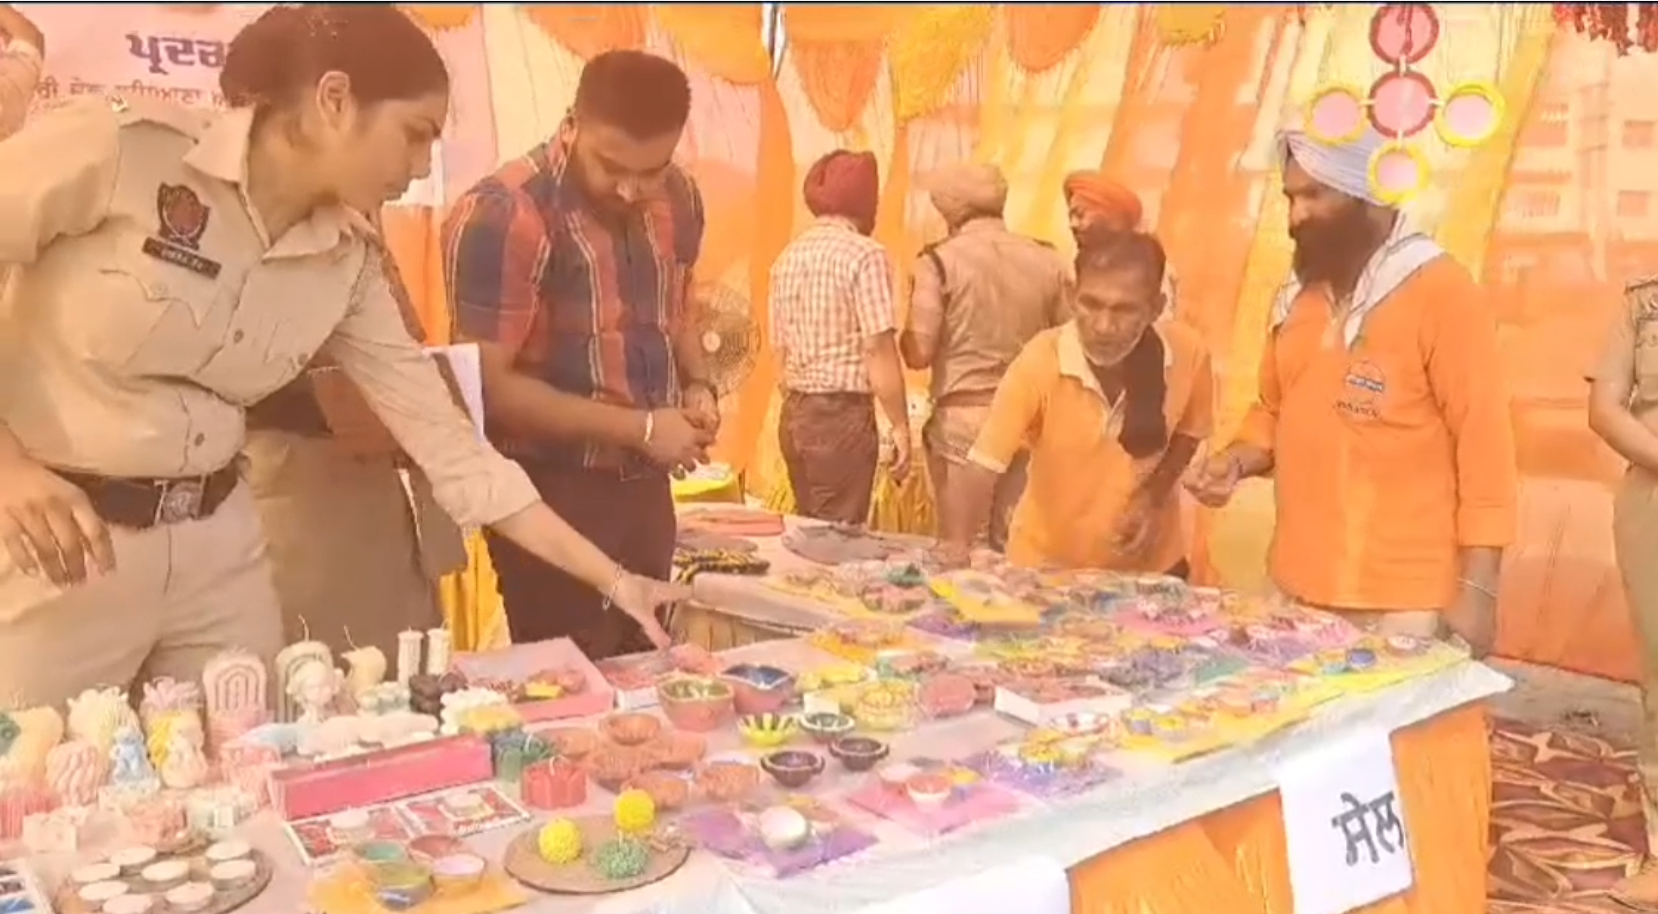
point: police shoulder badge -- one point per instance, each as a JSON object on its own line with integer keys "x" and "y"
{"x": 183, "y": 221}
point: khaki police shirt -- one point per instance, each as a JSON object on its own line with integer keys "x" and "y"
{"x": 145, "y": 309}
{"x": 1630, "y": 354}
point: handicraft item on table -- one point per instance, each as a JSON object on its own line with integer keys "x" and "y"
{"x": 18, "y": 801}
{"x": 324, "y": 838}
{"x": 593, "y": 855}
{"x": 983, "y": 600}
{"x": 779, "y": 839}
{"x": 305, "y": 789}
{"x": 545, "y": 680}
{"x": 74, "y": 772}
{"x": 98, "y": 715}
{"x": 1048, "y": 769}
{"x": 431, "y": 873}
{"x": 26, "y": 737}
{"x": 233, "y": 686}
{"x": 463, "y": 811}
{"x": 937, "y": 799}
{"x": 860, "y": 640}
{"x": 836, "y": 544}
{"x": 739, "y": 522}
{"x": 635, "y": 678}
{"x": 217, "y": 880}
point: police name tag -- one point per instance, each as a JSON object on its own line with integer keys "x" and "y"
{"x": 1344, "y": 825}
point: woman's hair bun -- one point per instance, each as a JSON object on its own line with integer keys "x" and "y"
{"x": 290, "y": 46}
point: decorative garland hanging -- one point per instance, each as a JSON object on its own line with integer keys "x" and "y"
{"x": 1611, "y": 22}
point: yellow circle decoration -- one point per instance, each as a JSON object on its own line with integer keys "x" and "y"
{"x": 1324, "y": 122}
{"x": 1387, "y": 188}
{"x": 1468, "y": 93}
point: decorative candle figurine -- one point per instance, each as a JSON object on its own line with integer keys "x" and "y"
{"x": 98, "y": 714}
{"x": 28, "y": 736}
{"x": 310, "y": 687}
{"x": 234, "y": 685}
{"x": 164, "y": 726}
{"x": 289, "y": 662}
{"x": 367, "y": 669}
{"x": 74, "y": 772}
{"x": 437, "y": 651}
{"x": 558, "y": 784}
{"x": 129, "y": 763}
{"x": 157, "y": 821}
{"x": 183, "y": 766}
{"x": 408, "y": 655}
{"x": 19, "y": 800}
{"x": 167, "y": 695}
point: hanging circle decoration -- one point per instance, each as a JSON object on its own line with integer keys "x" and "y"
{"x": 1403, "y": 102}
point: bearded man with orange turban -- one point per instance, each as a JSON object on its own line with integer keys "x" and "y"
{"x": 1098, "y": 203}
{"x": 834, "y": 329}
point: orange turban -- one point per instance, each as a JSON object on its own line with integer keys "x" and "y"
{"x": 845, "y": 184}
{"x": 1102, "y": 196}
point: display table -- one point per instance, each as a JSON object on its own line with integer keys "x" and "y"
{"x": 1208, "y": 838}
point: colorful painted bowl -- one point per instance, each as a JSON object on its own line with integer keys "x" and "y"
{"x": 929, "y": 790}
{"x": 896, "y": 776}
{"x": 631, "y": 728}
{"x": 695, "y": 703}
{"x": 378, "y": 855}
{"x": 401, "y": 888}
{"x": 767, "y": 731}
{"x": 792, "y": 768}
{"x": 612, "y": 766}
{"x": 758, "y": 688}
{"x": 858, "y": 753}
{"x": 728, "y": 781}
{"x": 673, "y": 751}
{"x": 570, "y": 742}
{"x": 459, "y": 872}
{"x": 827, "y": 726}
{"x": 428, "y": 848}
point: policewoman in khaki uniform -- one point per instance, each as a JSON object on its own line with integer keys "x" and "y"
{"x": 356, "y": 554}
{"x": 168, "y": 269}
{"x": 1623, "y": 410}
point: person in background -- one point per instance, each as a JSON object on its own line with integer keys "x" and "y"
{"x": 356, "y": 555}
{"x": 978, "y": 297}
{"x": 1382, "y": 415}
{"x": 572, "y": 268}
{"x": 22, "y": 57}
{"x": 1095, "y": 201}
{"x": 1623, "y": 411}
{"x": 1112, "y": 406}
{"x": 172, "y": 266}
{"x": 833, "y": 326}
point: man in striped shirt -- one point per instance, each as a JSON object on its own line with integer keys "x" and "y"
{"x": 21, "y": 59}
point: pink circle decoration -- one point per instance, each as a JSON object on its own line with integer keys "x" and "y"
{"x": 1402, "y": 104}
{"x": 1335, "y": 116}
{"x": 1403, "y": 33}
{"x": 1470, "y": 114}
{"x": 1397, "y": 172}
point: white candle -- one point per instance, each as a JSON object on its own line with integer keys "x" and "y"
{"x": 408, "y": 655}
{"x": 368, "y": 669}
{"x": 437, "y": 652}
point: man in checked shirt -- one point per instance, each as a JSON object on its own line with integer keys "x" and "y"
{"x": 21, "y": 60}
{"x": 834, "y": 328}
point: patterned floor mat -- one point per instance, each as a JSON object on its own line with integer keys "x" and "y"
{"x": 1565, "y": 821}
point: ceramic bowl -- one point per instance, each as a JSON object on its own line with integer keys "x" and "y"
{"x": 827, "y": 726}
{"x": 695, "y": 703}
{"x": 668, "y": 791}
{"x": 376, "y": 855}
{"x": 570, "y": 742}
{"x": 928, "y": 791}
{"x": 896, "y": 776}
{"x": 767, "y": 731}
{"x": 631, "y": 728}
{"x": 858, "y": 753}
{"x": 427, "y": 848}
{"x": 792, "y": 768}
{"x": 458, "y": 872}
{"x": 611, "y": 767}
{"x": 404, "y": 887}
{"x": 758, "y": 688}
{"x": 674, "y": 751}
{"x": 727, "y": 782}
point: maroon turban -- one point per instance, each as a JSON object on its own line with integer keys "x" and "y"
{"x": 845, "y": 184}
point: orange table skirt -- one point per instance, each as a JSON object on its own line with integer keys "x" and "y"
{"x": 1234, "y": 860}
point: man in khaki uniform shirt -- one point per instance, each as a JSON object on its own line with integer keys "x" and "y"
{"x": 151, "y": 307}
{"x": 21, "y": 60}
{"x": 1623, "y": 410}
{"x": 357, "y": 555}
{"x": 979, "y": 296}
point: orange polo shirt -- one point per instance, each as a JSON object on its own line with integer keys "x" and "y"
{"x": 1050, "y": 403}
{"x": 1390, "y": 454}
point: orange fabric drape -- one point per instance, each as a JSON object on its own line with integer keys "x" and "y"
{"x": 1040, "y": 35}
{"x": 1235, "y": 861}
{"x": 589, "y": 29}
{"x": 838, "y": 56}
{"x": 438, "y": 16}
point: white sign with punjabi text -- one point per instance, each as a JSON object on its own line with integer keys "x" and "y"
{"x": 1344, "y": 824}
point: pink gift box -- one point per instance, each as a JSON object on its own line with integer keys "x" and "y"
{"x": 521, "y": 661}
{"x": 302, "y": 790}
{"x": 157, "y": 822}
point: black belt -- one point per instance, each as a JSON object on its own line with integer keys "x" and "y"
{"x": 140, "y": 504}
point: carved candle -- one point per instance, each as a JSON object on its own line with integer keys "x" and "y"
{"x": 157, "y": 821}
{"x": 33, "y": 735}
{"x": 74, "y": 772}
{"x": 97, "y": 714}
{"x": 18, "y": 801}
{"x": 368, "y": 669}
{"x": 557, "y": 784}
{"x": 216, "y": 813}
{"x": 290, "y": 662}
{"x": 234, "y": 684}
{"x": 437, "y": 651}
{"x": 408, "y": 655}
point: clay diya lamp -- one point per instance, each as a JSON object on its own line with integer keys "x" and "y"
{"x": 570, "y": 742}
{"x": 558, "y": 784}
{"x": 896, "y": 776}
{"x": 188, "y": 897}
{"x": 727, "y": 782}
{"x": 631, "y": 728}
{"x": 458, "y": 872}
{"x": 792, "y": 768}
{"x": 758, "y": 688}
{"x": 674, "y": 751}
{"x": 827, "y": 726}
{"x": 426, "y": 848}
{"x": 165, "y": 874}
{"x": 946, "y": 695}
{"x": 1361, "y": 659}
{"x": 1080, "y": 723}
{"x": 858, "y": 753}
{"x": 696, "y": 703}
{"x": 767, "y": 731}
{"x": 668, "y": 791}
{"x": 929, "y": 790}
{"x": 611, "y": 767}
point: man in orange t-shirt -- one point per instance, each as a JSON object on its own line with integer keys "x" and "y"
{"x": 1111, "y": 406}
{"x": 1382, "y": 413}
